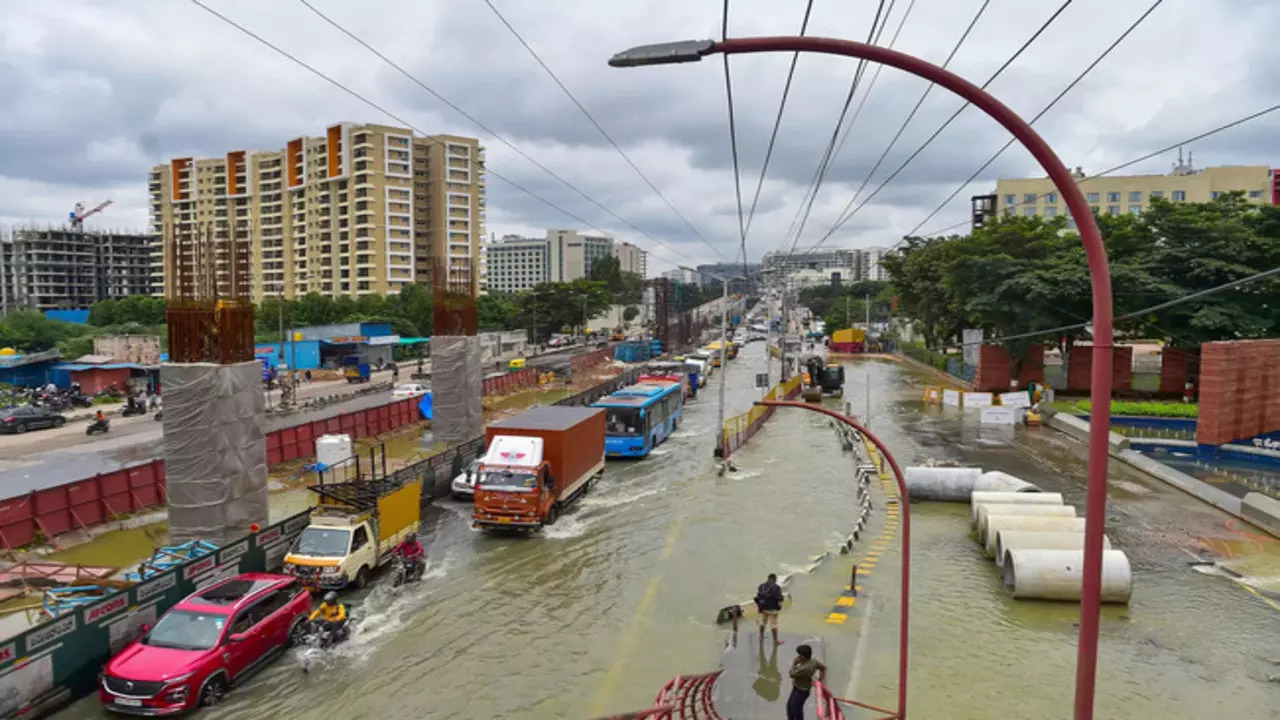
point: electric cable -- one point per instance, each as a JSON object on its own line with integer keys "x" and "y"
{"x": 1070, "y": 86}
{"x": 380, "y": 108}
{"x": 884, "y": 183}
{"x": 591, "y": 118}
{"x": 916, "y": 108}
{"x": 733, "y": 140}
{"x": 825, "y": 163}
{"x": 1155, "y": 153}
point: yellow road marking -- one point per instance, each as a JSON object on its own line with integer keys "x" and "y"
{"x": 846, "y": 601}
{"x": 837, "y": 618}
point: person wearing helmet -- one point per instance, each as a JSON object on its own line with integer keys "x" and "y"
{"x": 410, "y": 550}
{"x": 332, "y": 614}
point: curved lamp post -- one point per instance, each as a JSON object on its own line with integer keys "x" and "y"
{"x": 1099, "y": 275}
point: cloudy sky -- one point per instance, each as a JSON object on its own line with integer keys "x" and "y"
{"x": 97, "y": 92}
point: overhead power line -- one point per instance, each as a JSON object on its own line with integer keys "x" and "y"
{"x": 355, "y": 94}
{"x": 777, "y": 122}
{"x": 884, "y": 183}
{"x": 591, "y": 118}
{"x": 1131, "y": 163}
{"x": 1070, "y": 86}
{"x": 1137, "y": 313}
{"x": 453, "y": 106}
{"x": 873, "y": 35}
{"x": 911, "y": 115}
{"x": 733, "y": 139}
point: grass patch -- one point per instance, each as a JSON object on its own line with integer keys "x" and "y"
{"x": 1150, "y": 408}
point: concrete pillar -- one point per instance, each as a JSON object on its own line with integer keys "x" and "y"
{"x": 456, "y": 388}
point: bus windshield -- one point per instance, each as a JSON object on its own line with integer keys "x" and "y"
{"x": 622, "y": 422}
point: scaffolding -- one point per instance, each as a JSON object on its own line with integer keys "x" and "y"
{"x": 57, "y": 267}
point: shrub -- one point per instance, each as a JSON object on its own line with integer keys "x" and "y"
{"x": 1170, "y": 409}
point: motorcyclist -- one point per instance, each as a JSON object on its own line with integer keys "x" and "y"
{"x": 99, "y": 417}
{"x": 331, "y": 613}
{"x": 410, "y": 550}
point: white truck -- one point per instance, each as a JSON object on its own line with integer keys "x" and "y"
{"x": 354, "y": 529}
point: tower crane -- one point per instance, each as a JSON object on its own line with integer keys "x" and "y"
{"x": 78, "y": 215}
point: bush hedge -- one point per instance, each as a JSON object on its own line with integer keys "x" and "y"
{"x": 1170, "y": 409}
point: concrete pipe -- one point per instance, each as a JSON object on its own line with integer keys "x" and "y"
{"x": 1057, "y": 575}
{"x": 942, "y": 483}
{"x": 1007, "y": 540}
{"x": 996, "y": 481}
{"x": 980, "y": 498}
{"x": 1034, "y": 523}
{"x": 986, "y": 512}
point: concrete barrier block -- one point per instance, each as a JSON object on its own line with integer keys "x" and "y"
{"x": 1079, "y": 429}
{"x": 1261, "y": 510}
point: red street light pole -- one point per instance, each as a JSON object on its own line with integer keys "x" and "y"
{"x": 1095, "y": 252}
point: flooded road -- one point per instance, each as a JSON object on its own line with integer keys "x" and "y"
{"x": 594, "y": 615}
{"x": 1189, "y": 645}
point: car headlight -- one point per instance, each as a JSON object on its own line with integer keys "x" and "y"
{"x": 331, "y": 570}
{"x": 179, "y": 679}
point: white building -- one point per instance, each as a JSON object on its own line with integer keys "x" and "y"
{"x": 871, "y": 267}
{"x": 632, "y": 259}
{"x": 515, "y": 264}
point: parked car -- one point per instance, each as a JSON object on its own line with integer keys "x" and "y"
{"x": 28, "y": 417}
{"x": 463, "y": 486}
{"x": 207, "y": 643}
{"x": 408, "y": 390}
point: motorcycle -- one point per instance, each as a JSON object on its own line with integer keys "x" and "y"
{"x": 134, "y": 408}
{"x": 408, "y": 570}
{"x": 98, "y": 426}
{"x": 318, "y": 637}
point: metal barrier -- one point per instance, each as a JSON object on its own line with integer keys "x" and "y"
{"x": 510, "y": 382}
{"x": 81, "y": 504}
{"x": 740, "y": 428}
{"x": 58, "y": 661}
{"x": 591, "y": 359}
{"x": 590, "y": 395}
{"x": 299, "y": 441}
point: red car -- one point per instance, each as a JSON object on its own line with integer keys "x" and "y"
{"x": 206, "y": 643}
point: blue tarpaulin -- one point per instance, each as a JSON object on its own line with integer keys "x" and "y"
{"x": 424, "y": 406}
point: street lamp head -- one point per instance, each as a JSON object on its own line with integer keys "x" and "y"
{"x": 663, "y": 53}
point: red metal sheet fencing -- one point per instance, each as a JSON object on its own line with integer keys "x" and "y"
{"x": 299, "y": 441}
{"x": 591, "y": 359}
{"x": 510, "y": 382}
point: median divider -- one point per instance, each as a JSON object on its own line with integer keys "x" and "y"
{"x": 847, "y": 601}
{"x": 740, "y": 428}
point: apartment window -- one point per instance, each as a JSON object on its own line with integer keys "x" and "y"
{"x": 1093, "y": 198}
{"x": 1135, "y": 209}
{"x": 1255, "y": 194}
{"x": 1028, "y": 211}
{"x": 1156, "y": 194}
{"x": 1051, "y": 199}
{"x": 1051, "y": 211}
{"x": 1113, "y": 209}
{"x": 1029, "y": 198}
{"x": 1135, "y": 196}
{"x": 1179, "y": 195}
{"x": 1113, "y": 197}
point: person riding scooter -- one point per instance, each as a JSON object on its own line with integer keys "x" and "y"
{"x": 98, "y": 424}
{"x": 410, "y": 551}
{"x": 332, "y": 615}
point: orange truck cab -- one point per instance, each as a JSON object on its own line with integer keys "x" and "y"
{"x": 536, "y": 464}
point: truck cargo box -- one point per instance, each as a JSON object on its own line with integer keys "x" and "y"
{"x": 573, "y": 437}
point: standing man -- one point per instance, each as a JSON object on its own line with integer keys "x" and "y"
{"x": 769, "y": 604}
{"x": 803, "y": 668}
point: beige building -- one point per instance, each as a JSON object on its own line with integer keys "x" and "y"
{"x": 1113, "y": 195}
{"x": 364, "y": 209}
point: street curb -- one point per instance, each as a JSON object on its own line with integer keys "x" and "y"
{"x": 945, "y": 377}
{"x": 1256, "y": 508}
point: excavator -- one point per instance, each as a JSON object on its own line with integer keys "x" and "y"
{"x": 821, "y": 378}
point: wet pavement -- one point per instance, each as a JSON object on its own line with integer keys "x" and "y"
{"x": 598, "y": 612}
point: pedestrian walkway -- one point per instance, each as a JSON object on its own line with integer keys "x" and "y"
{"x": 754, "y": 681}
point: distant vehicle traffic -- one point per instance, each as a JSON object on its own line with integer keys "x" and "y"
{"x": 204, "y": 645}
{"x": 29, "y": 417}
{"x": 408, "y": 390}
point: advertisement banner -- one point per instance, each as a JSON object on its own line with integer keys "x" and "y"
{"x": 59, "y": 660}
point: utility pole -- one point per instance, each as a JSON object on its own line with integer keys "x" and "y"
{"x": 865, "y": 338}
{"x": 724, "y": 363}
{"x": 782, "y": 338}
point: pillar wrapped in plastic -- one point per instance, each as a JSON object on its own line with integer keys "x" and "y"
{"x": 215, "y": 450}
{"x": 456, "y": 387}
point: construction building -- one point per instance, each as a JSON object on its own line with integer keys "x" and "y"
{"x": 363, "y": 209}
{"x": 516, "y": 264}
{"x": 1132, "y": 194}
{"x": 57, "y": 268}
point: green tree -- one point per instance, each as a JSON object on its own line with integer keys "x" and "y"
{"x": 631, "y": 313}
{"x": 498, "y": 311}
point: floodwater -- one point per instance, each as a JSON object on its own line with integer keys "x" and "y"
{"x": 596, "y": 613}
{"x": 1190, "y": 644}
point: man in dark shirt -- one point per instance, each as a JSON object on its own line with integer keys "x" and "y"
{"x": 803, "y": 670}
{"x": 769, "y": 603}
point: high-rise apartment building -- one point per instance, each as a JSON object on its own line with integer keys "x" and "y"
{"x": 516, "y": 264}
{"x": 784, "y": 262}
{"x": 56, "y": 268}
{"x": 1132, "y": 194}
{"x": 364, "y": 209}
{"x": 869, "y": 267}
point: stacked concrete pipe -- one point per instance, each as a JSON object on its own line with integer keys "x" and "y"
{"x": 987, "y": 512}
{"x": 1008, "y": 540}
{"x": 1035, "y": 523}
{"x": 980, "y": 498}
{"x": 1058, "y": 575}
{"x": 957, "y": 484}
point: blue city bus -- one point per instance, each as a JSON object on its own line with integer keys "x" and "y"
{"x": 639, "y": 417}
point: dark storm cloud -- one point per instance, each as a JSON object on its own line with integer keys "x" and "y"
{"x": 99, "y": 94}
